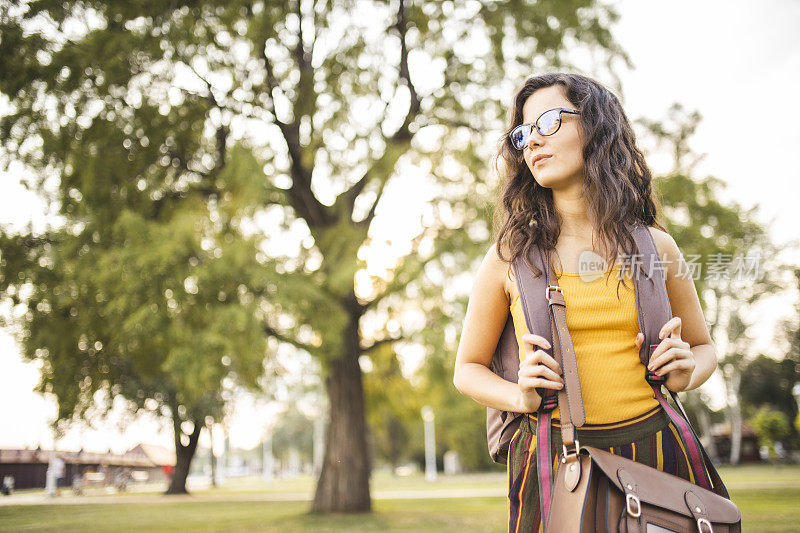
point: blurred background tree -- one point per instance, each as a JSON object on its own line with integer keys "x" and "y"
{"x": 169, "y": 122}
{"x": 772, "y": 427}
{"x": 394, "y": 408}
{"x": 121, "y": 302}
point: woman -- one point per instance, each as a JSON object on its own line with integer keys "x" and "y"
{"x": 572, "y": 174}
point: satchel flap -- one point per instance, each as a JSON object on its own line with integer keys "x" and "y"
{"x": 661, "y": 489}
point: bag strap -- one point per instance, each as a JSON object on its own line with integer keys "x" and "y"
{"x": 550, "y": 322}
{"x": 719, "y": 486}
{"x": 569, "y": 398}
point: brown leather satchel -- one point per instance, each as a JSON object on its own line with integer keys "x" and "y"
{"x": 594, "y": 490}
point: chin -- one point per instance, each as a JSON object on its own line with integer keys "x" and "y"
{"x": 547, "y": 180}
{"x": 551, "y": 179}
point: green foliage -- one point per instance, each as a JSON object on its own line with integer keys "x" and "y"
{"x": 769, "y": 382}
{"x": 460, "y": 420}
{"x": 150, "y": 309}
{"x": 770, "y": 426}
{"x": 797, "y": 423}
{"x": 293, "y": 430}
{"x": 707, "y": 228}
{"x": 393, "y": 408}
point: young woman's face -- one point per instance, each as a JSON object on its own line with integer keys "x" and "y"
{"x": 565, "y": 165}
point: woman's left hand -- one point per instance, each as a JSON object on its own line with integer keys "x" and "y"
{"x": 672, "y": 356}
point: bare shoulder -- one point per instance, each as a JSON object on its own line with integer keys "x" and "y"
{"x": 487, "y": 312}
{"x": 667, "y": 247}
{"x": 500, "y": 270}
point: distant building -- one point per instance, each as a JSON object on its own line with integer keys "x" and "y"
{"x": 144, "y": 462}
{"x": 158, "y": 455}
{"x": 722, "y": 439}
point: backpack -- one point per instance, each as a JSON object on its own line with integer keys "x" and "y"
{"x": 652, "y": 307}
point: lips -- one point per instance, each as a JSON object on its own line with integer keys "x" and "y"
{"x": 541, "y": 157}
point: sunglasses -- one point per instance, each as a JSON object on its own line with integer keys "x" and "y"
{"x": 547, "y": 124}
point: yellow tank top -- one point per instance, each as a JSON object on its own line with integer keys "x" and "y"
{"x": 603, "y": 330}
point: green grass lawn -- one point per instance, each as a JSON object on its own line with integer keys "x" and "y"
{"x": 763, "y": 509}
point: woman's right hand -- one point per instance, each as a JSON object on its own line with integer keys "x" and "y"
{"x": 538, "y": 369}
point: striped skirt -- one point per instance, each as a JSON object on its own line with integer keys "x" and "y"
{"x": 649, "y": 438}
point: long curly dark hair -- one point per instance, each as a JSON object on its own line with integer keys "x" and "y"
{"x": 617, "y": 182}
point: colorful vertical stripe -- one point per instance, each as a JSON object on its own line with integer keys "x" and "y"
{"x": 544, "y": 462}
{"x": 691, "y": 445}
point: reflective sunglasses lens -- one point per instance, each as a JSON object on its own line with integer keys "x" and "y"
{"x": 549, "y": 122}
{"x": 519, "y": 136}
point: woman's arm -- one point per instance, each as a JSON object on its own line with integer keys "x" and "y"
{"x": 487, "y": 313}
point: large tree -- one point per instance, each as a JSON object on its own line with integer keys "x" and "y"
{"x": 334, "y": 100}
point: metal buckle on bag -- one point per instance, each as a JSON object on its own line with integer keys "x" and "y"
{"x": 555, "y": 288}
{"x": 632, "y": 498}
{"x": 703, "y": 522}
{"x": 566, "y": 453}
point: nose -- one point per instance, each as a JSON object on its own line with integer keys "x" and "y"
{"x": 534, "y": 139}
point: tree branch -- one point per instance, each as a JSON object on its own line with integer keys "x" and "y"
{"x": 381, "y": 342}
{"x": 396, "y": 145}
{"x": 303, "y": 62}
{"x": 301, "y": 197}
{"x": 412, "y": 274}
{"x": 414, "y": 108}
{"x": 269, "y": 330}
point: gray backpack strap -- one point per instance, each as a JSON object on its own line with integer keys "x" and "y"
{"x": 500, "y": 425}
{"x": 654, "y": 310}
{"x": 505, "y": 362}
{"x": 652, "y": 302}
{"x": 531, "y": 294}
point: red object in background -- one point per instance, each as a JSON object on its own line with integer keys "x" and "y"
{"x": 168, "y": 469}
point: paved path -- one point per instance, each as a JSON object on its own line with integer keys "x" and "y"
{"x": 231, "y": 496}
{"x": 41, "y": 499}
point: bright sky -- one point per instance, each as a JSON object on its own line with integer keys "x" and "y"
{"x": 728, "y": 60}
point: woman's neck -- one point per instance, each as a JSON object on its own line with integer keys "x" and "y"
{"x": 573, "y": 213}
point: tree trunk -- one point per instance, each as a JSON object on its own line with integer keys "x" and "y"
{"x": 343, "y": 484}
{"x": 695, "y": 403}
{"x": 183, "y": 456}
{"x": 213, "y": 458}
{"x": 735, "y": 415}
{"x": 705, "y": 430}
{"x": 736, "y": 434}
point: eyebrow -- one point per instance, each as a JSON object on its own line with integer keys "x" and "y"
{"x": 537, "y": 115}
{"x": 570, "y": 106}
